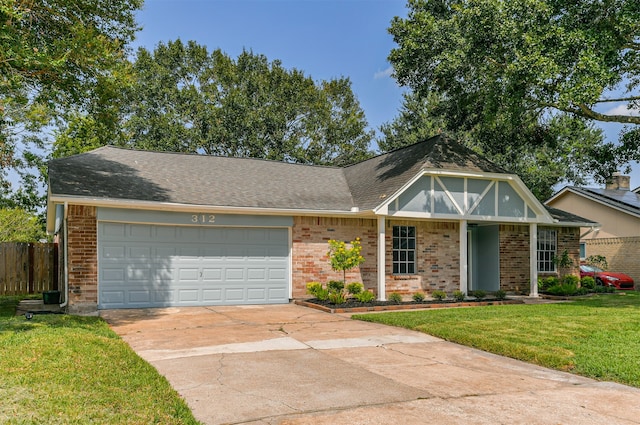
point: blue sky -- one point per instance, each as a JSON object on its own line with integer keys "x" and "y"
{"x": 323, "y": 38}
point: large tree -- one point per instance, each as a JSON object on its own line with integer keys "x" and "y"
{"x": 525, "y": 67}
{"x": 53, "y": 55}
{"x": 185, "y": 99}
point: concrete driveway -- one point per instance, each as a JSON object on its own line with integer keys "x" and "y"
{"x": 287, "y": 364}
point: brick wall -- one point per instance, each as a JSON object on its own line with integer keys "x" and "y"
{"x": 437, "y": 250}
{"x": 310, "y": 246}
{"x": 83, "y": 258}
{"x": 437, "y": 258}
{"x": 622, "y": 254}
{"x": 569, "y": 239}
{"x": 514, "y": 258}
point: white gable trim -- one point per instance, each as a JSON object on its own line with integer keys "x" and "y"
{"x": 542, "y": 215}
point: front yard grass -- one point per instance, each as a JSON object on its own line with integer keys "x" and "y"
{"x": 62, "y": 369}
{"x": 597, "y": 337}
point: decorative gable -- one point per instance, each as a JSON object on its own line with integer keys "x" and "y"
{"x": 478, "y": 198}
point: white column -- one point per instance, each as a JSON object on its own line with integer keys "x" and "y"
{"x": 382, "y": 273}
{"x": 463, "y": 256}
{"x": 533, "y": 260}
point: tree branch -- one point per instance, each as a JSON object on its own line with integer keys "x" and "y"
{"x": 584, "y": 111}
{"x": 622, "y": 99}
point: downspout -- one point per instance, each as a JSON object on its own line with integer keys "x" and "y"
{"x": 65, "y": 248}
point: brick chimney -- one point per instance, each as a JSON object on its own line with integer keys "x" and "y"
{"x": 618, "y": 182}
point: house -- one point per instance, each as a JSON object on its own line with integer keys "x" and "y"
{"x": 148, "y": 229}
{"x": 617, "y": 210}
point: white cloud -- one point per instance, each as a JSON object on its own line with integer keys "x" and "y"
{"x": 383, "y": 74}
{"x": 622, "y": 110}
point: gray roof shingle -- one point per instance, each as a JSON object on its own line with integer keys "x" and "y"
{"x": 115, "y": 173}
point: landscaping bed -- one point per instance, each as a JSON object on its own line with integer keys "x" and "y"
{"x": 354, "y": 306}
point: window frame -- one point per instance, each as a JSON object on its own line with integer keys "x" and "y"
{"x": 403, "y": 250}
{"x": 546, "y": 250}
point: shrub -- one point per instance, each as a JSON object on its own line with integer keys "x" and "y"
{"x": 322, "y": 294}
{"x": 571, "y": 279}
{"x": 545, "y": 283}
{"x": 355, "y": 288}
{"x": 588, "y": 282}
{"x": 439, "y": 295}
{"x": 500, "y": 295}
{"x": 458, "y": 295}
{"x": 313, "y": 288}
{"x": 365, "y": 296}
{"x": 335, "y": 285}
{"x": 478, "y": 294}
{"x": 418, "y": 297}
{"x": 343, "y": 258}
{"x": 337, "y": 297}
{"x": 395, "y": 297}
{"x": 563, "y": 289}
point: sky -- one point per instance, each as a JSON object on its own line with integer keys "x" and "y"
{"x": 323, "y": 38}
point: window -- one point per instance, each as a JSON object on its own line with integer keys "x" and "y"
{"x": 546, "y": 250}
{"x": 404, "y": 249}
{"x": 583, "y": 250}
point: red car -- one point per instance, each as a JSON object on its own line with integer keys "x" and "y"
{"x": 617, "y": 280}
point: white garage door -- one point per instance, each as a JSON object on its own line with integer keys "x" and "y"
{"x": 142, "y": 265}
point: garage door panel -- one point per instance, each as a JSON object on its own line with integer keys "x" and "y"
{"x": 154, "y": 266}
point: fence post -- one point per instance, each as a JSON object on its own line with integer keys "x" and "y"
{"x": 30, "y": 250}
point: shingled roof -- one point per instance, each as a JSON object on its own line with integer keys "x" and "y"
{"x": 624, "y": 200}
{"x": 122, "y": 174}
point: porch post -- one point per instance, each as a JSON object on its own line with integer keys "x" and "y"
{"x": 463, "y": 257}
{"x": 533, "y": 260}
{"x": 382, "y": 286}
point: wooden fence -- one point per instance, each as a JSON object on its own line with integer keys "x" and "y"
{"x": 28, "y": 268}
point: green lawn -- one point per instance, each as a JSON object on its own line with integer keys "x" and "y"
{"x": 598, "y": 337}
{"x": 62, "y": 369}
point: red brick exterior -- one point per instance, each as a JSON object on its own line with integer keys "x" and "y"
{"x": 569, "y": 239}
{"x": 82, "y": 258}
{"x": 437, "y": 258}
{"x": 310, "y": 237}
{"x": 437, "y": 255}
{"x": 514, "y": 258}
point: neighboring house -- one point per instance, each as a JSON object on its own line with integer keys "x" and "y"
{"x": 149, "y": 229}
{"x": 617, "y": 210}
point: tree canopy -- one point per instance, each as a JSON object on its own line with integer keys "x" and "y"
{"x": 184, "y": 99}
{"x": 53, "y": 55}
{"x": 17, "y": 225}
{"x": 543, "y": 69}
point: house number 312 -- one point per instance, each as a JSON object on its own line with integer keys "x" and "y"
{"x": 203, "y": 218}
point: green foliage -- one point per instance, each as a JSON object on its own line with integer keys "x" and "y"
{"x": 599, "y": 261}
{"x": 571, "y": 279}
{"x": 563, "y": 289}
{"x": 418, "y": 297}
{"x": 343, "y": 258}
{"x": 313, "y": 288}
{"x": 17, "y": 225}
{"x": 500, "y": 295}
{"x": 56, "y": 56}
{"x": 322, "y": 294}
{"x": 365, "y": 296}
{"x": 260, "y": 109}
{"x": 439, "y": 295}
{"x": 459, "y": 296}
{"x": 354, "y": 288}
{"x": 335, "y": 285}
{"x": 547, "y": 282}
{"x": 523, "y": 82}
{"x": 395, "y": 297}
{"x": 478, "y": 294}
{"x": 337, "y": 297}
{"x": 588, "y": 282}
